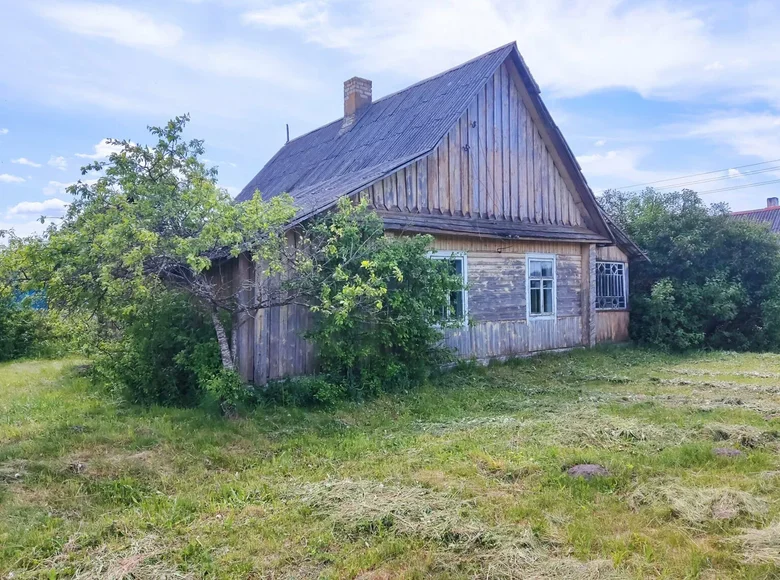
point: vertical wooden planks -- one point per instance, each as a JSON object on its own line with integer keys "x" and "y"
{"x": 444, "y": 175}
{"x": 432, "y": 162}
{"x": 522, "y": 160}
{"x": 498, "y": 173}
{"x": 506, "y": 212}
{"x": 422, "y": 184}
{"x": 483, "y": 151}
{"x": 490, "y": 151}
{"x": 411, "y": 188}
{"x": 455, "y": 193}
{"x": 400, "y": 184}
{"x": 538, "y": 162}
{"x": 514, "y": 159}
{"x": 463, "y": 156}
{"x": 473, "y": 130}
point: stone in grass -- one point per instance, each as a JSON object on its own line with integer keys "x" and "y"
{"x": 587, "y": 471}
{"x": 727, "y": 452}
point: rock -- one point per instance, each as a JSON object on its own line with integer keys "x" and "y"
{"x": 727, "y": 452}
{"x": 587, "y": 471}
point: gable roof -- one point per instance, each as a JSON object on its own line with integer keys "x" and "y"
{"x": 766, "y": 215}
{"x": 321, "y": 166}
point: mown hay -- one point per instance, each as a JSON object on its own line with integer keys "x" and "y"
{"x": 744, "y": 435}
{"x": 369, "y": 506}
{"x": 698, "y": 506}
{"x": 761, "y": 546}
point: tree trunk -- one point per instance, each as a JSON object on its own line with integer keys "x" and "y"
{"x": 224, "y": 346}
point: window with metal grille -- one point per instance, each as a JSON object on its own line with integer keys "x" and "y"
{"x": 610, "y": 286}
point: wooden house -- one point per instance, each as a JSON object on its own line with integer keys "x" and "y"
{"x": 473, "y": 157}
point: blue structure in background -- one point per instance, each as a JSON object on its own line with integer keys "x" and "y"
{"x": 36, "y": 300}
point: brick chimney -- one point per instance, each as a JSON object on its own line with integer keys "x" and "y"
{"x": 772, "y": 202}
{"x": 357, "y": 96}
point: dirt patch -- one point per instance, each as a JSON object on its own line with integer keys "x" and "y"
{"x": 587, "y": 471}
{"x": 13, "y": 471}
{"x": 727, "y": 452}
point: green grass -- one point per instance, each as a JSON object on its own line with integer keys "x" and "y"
{"x": 464, "y": 478}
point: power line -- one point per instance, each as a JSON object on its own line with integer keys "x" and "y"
{"x": 692, "y": 175}
{"x": 722, "y": 177}
{"x": 735, "y": 187}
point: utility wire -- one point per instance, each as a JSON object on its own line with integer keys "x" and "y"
{"x": 692, "y": 175}
{"x": 721, "y": 178}
{"x": 735, "y": 187}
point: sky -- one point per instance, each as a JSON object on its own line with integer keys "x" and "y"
{"x": 643, "y": 91}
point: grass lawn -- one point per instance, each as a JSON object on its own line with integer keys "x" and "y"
{"x": 464, "y": 478}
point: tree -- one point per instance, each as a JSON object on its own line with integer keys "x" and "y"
{"x": 155, "y": 219}
{"x": 711, "y": 280}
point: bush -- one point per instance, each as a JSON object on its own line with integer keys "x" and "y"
{"x": 28, "y": 331}
{"x": 163, "y": 353}
{"x": 377, "y": 305}
{"x": 711, "y": 280}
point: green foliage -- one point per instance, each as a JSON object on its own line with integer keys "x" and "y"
{"x": 711, "y": 280}
{"x": 306, "y": 391}
{"x": 27, "y": 332}
{"x": 166, "y": 353}
{"x": 154, "y": 218}
{"x": 377, "y": 303}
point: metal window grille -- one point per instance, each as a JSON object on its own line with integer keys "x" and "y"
{"x": 610, "y": 285}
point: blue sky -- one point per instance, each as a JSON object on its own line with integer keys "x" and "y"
{"x": 643, "y": 91}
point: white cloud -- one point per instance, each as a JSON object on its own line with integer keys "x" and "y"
{"x": 32, "y": 209}
{"x": 750, "y": 134}
{"x": 4, "y": 131}
{"x": 60, "y": 188}
{"x": 655, "y": 48}
{"x": 734, "y": 173}
{"x": 619, "y": 168}
{"x": 140, "y": 30}
{"x": 102, "y": 150}
{"x": 7, "y": 178}
{"x": 58, "y": 162}
{"x": 600, "y": 143}
{"x": 122, "y": 25}
{"x": 25, "y": 161}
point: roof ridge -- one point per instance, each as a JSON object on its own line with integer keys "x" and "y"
{"x": 413, "y": 85}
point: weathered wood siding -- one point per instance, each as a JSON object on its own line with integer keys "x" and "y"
{"x": 493, "y": 163}
{"x": 499, "y": 326}
{"x": 611, "y": 254}
{"x": 612, "y": 325}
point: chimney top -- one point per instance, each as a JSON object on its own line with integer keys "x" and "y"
{"x": 357, "y": 96}
{"x": 772, "y": 202}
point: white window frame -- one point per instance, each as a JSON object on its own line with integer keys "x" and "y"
{"x": 546, "y": 315}
{"x": 449, "y": 255}
{"x": 625, "y": 286}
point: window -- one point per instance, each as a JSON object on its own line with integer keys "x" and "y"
{"x": 540, "y": 279}
{"x": 610, "y": 286}
{"x": 456, "y": 307}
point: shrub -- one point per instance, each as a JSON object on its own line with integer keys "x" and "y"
{"x": 711, "y": 280}
{"x": 162, "y": 352}
{"x": 377, "y": 304}
{"x": 27, "y": 330}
